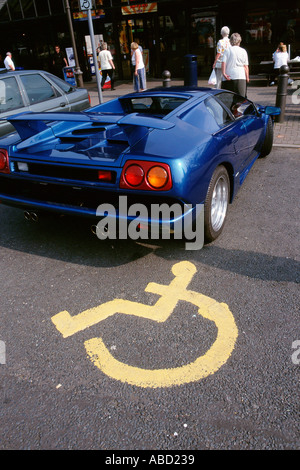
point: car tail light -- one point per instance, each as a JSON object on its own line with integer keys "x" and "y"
{"x": 134, "y": 175}
{"x": 4, "y": 161}
{"x": 105, "y": 176}
{"x": 90, "y": 101}
{"x": 144, "y": 175}
{"x": 157, "y": 177}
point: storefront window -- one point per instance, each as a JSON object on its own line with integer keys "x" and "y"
{"x": 108, "y": 37}
{"x": 265, "y": 29}
{"x": 124, "y": 40}
{"x": 173, "y": 31}
{"x": 203, "y": 30}
{"x": 203, "y": 38}
{"x": 259, "y": 28}
{"x": 139, "y": 30}
{"x": 272, "y": 27}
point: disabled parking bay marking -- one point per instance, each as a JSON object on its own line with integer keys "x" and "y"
{"x": 208, "y": 308}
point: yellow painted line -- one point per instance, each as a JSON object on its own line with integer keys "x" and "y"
{"x": 170, "y": 294}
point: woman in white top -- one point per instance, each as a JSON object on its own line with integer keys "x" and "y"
{"x": 280, "y": 57}
{"x": 139, "y": 76}
{"x": 222, "y": 45}
{"x": 235, "y": 67}
{"x": 107, "y": 66}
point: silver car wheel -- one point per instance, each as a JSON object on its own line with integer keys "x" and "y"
{"x": 219, "y": 203}
{"x": 216, "y": 204}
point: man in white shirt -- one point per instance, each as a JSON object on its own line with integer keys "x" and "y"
{"x": 8, "y": 63}
{"x": 107, "y": 65}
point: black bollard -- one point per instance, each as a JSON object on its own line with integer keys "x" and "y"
{"x": 190, "y": 70}
{"x": 166, "y": 76}
{"x": 283, "y": 78}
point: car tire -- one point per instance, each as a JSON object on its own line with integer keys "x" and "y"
{"x": 268, "y": 142}
{"x": 216, "y": 204}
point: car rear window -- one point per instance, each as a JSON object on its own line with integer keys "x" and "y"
{"x": 37, "y": 88}
{"x": 154, "y": 105}
{"x": 10, "y": 96}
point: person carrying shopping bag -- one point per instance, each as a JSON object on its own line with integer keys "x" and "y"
{"x": 107, "y": 66}
{"x": 222, "y": 45}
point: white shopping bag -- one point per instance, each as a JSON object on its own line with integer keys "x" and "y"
{"x": 212, "y": 79}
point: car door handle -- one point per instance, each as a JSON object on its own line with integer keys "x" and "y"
{"x": 62, "y": 105}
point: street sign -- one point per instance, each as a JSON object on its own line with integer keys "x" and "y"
{"x": 86, "y": 5}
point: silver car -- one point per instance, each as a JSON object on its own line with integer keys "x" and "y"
{"x": 36, "y": 90}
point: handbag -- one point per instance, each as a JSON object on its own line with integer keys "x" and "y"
{"x": 212, "y": 79}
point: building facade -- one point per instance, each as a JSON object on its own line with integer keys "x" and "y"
{"x": 166, "y": 29}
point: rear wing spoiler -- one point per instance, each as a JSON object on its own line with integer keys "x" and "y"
{"x": 35, "y": 127}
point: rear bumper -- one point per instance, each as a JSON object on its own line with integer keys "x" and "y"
{"x": 38, "y": 206}
{"x": 130, "y": 209}
{"x": 154, "y": 216}
{"x": 111, "y": 214}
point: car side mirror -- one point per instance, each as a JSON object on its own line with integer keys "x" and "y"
{"x": 271, "y": 110}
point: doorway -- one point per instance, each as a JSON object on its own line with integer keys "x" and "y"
{"x": 142, "y": 31}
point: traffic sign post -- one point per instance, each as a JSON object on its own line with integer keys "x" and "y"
{"x": 86, "y": 5}
{"x": 78, "y": 72}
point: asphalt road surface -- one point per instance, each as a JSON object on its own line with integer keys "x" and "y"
{"x": 123, "y": 345}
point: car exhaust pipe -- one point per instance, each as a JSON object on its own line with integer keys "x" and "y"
{"x": 27, "y": 215}
{"x": 104, "y": 233}
{"x": 94, "y": 229}
{"x": 32, "y": 216}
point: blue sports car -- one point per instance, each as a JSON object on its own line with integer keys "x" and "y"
{"x": 144, "y": 158}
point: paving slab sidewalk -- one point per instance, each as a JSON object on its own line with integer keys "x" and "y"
{"x": 286, "y": 134}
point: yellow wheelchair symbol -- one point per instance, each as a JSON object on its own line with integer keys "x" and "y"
{"x": 208, "y": 308}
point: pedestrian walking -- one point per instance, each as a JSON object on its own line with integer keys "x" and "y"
{"x": 235, "y": 67}
{"x": 107, "y": 66}
{"x": 222, "y": 45}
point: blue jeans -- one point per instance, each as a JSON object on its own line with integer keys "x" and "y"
{"x": 139, "y": 80}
